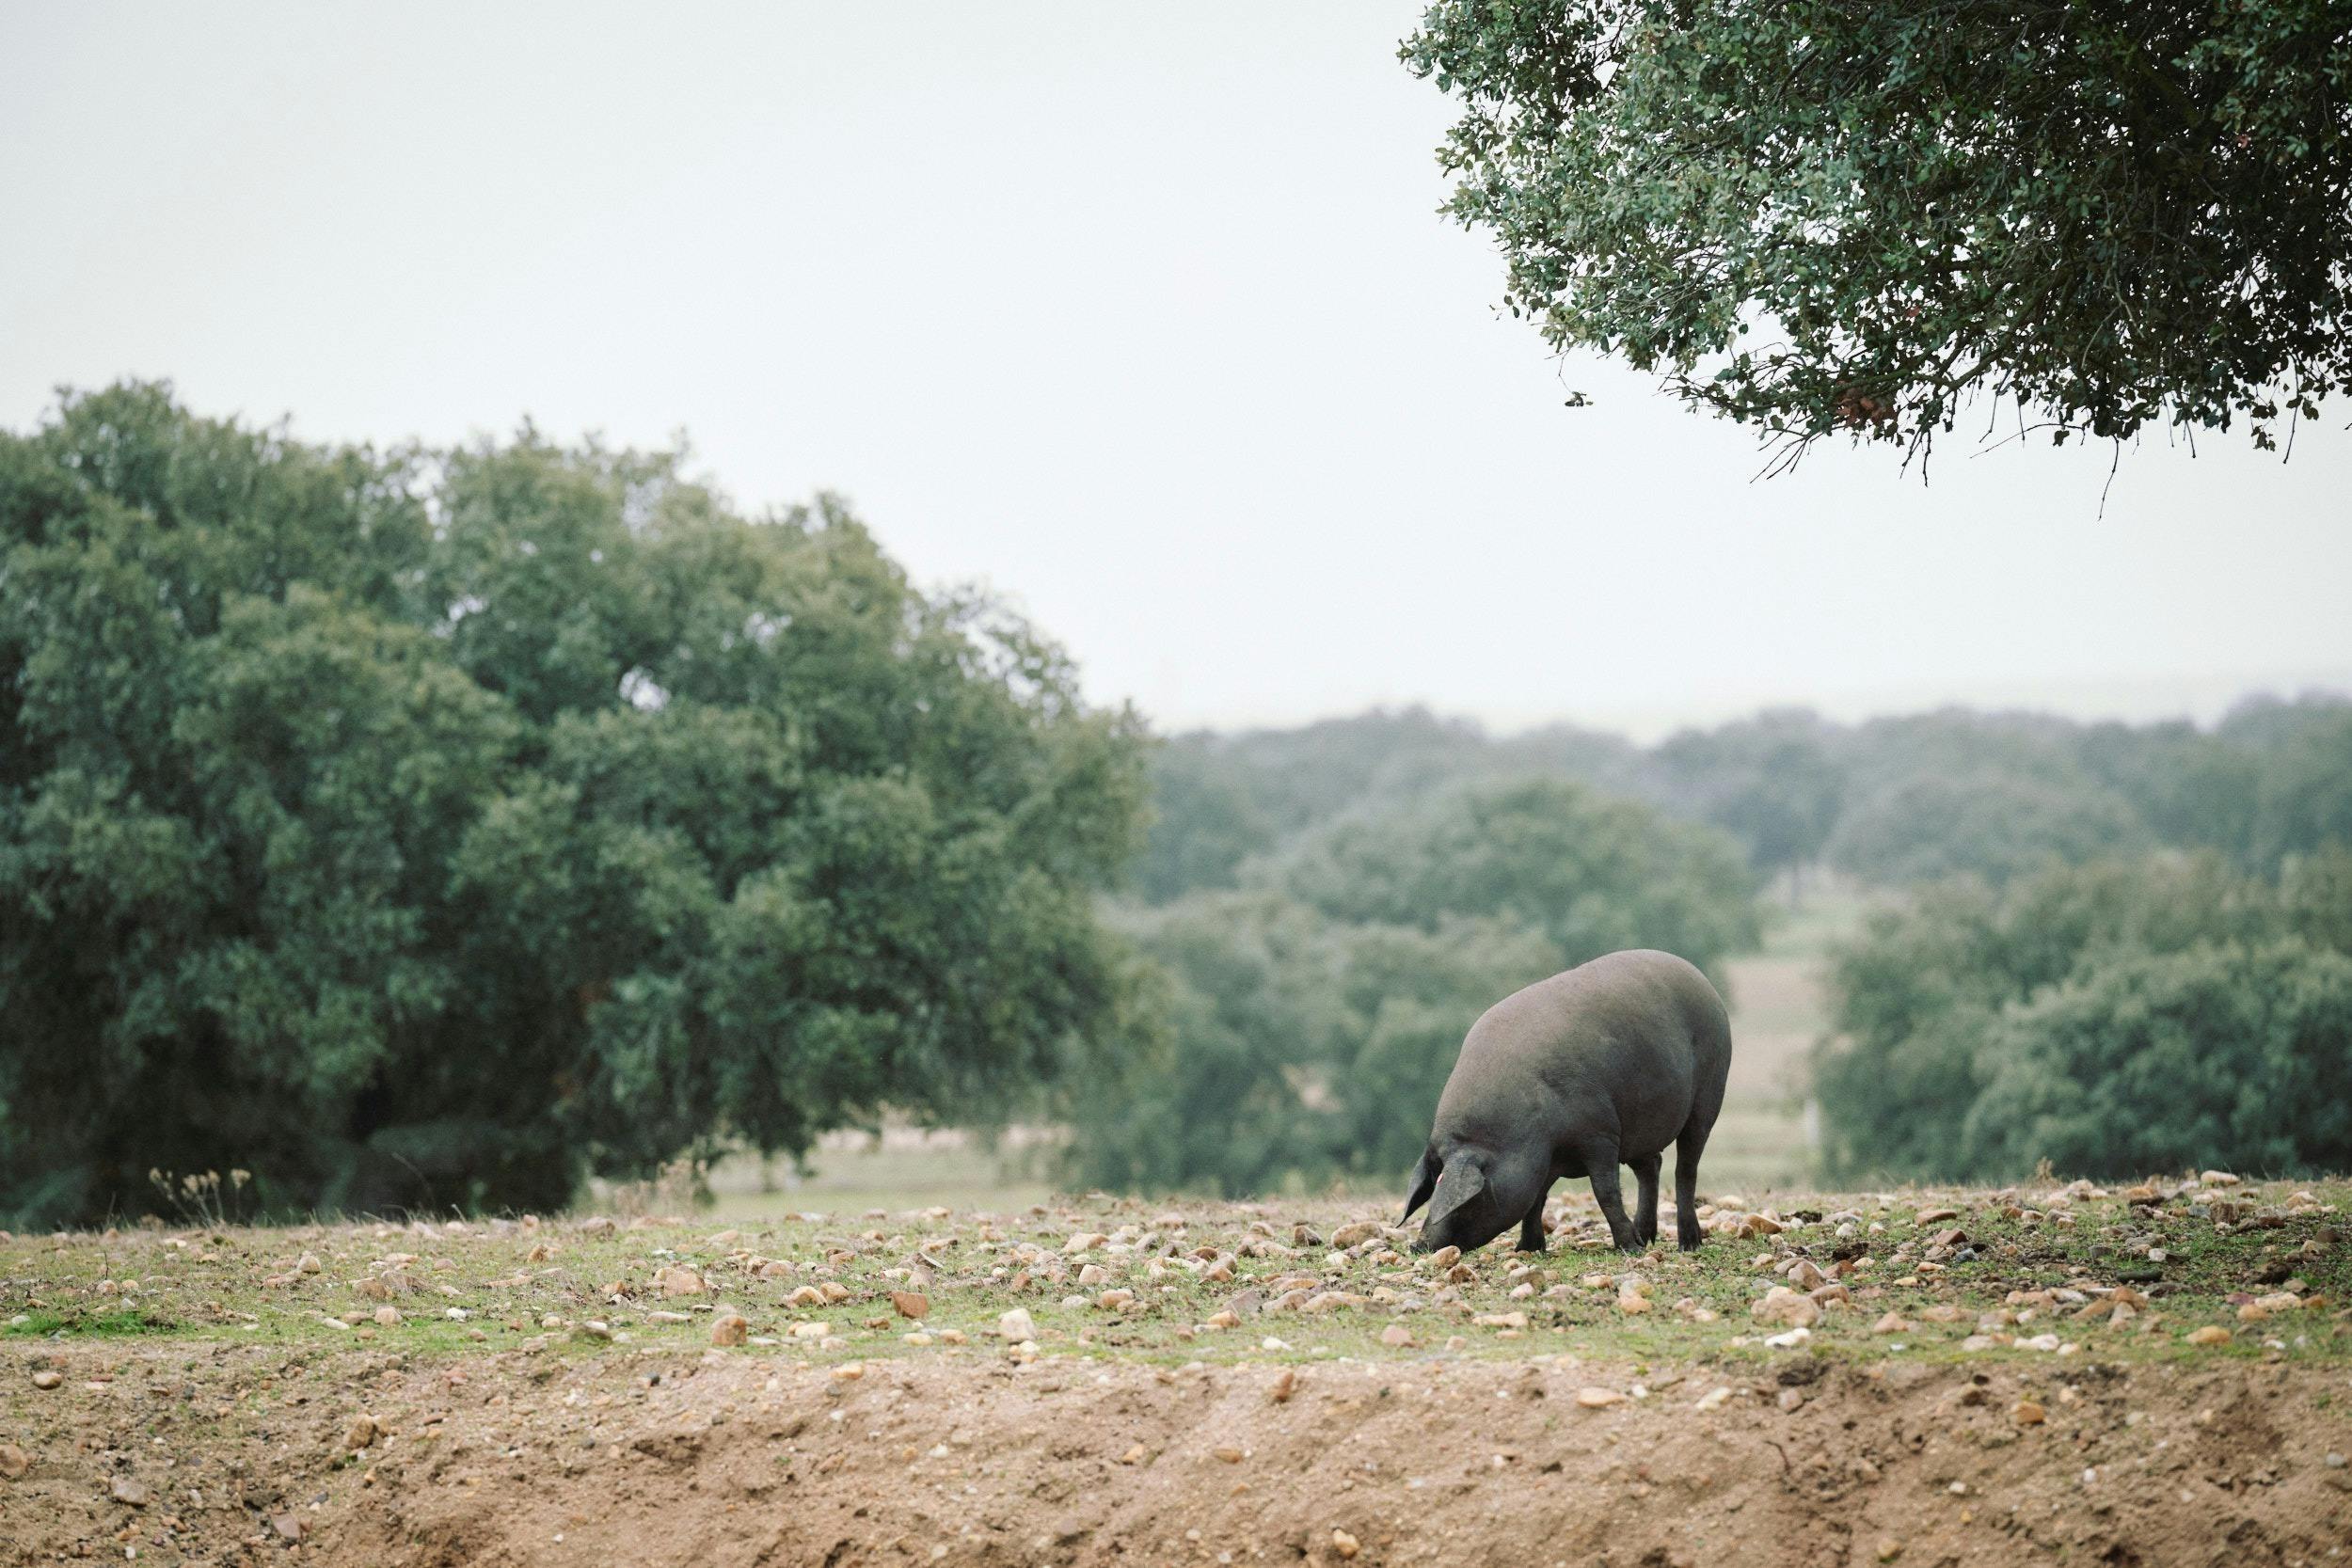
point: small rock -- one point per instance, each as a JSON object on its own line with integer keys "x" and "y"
{"x": 360, "y": 1433}
{"x": 47, "y": 1379}
{"x": 911, "y": 1304}
{"x": 1936, "y": 1216}
{"x": 129, "y": 1491}
{"x": 14, "y": 1462}
{"x": 1396, "y": 1336}
{"x": 1889, "y": 1548}
{"x": 1891, "y": 1323}
{"x": 1133, "y": 1456}
{"x": 1792, "y": 1340}
{"x": 1228, "y": 1452}
{"x": 1345, "y": 1544}
{"x": 2028, "y": 1413}
{"x": 1599, "y": 1399}
{"x": 729, "y": 1329}
{"x": 2209, "y": 1335}
{"x": 1713, "y": 1400}
{"x": 1285, "y": 1383}
{"x": 290, "y": 1526}
{"x": 1782, "y": 1304}
{"x": 1016, "y": 1325}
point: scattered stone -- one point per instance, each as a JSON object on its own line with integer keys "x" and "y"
{"x": 729, "y": 1329}
{"x": 1792, "y": 1340}
{"x": 1715, "y": 1399}
{"x": 14, "y": 1462}
{"x": 1345, "y": 1544}
{"x": 1599, "y": 1399}
{"x": 1889, "y": 1548}
{"x": 360, "y": 1433}
{"x": 1285, "y": 1383}
{"x": 1228, "y": 1452}
{"x": 1780, "y": 1305}
{"x": 1792, "y": 1400}
{"x": 1891, "y": 1323}
{"x": 130, "y": 1491}
{"x": 1016, "y": 1325}
{"x": 1396, "y": 1336}
{"x": 1936, "y": 1216}
{"x": 2209, "y": 1335}
{"x": 1356, "y": 1235}
{"x": 2028, "y": 1413}
{"x": 47, "y": 1379}
{"x": 911, "y": 1304}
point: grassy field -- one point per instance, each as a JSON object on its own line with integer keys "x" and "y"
{"x": 434, "y": 1289}
{"x": 1079, "y": 1382}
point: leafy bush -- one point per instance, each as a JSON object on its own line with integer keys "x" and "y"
{"x": 2221, "y": 1054}
{"x": 1979, "y": 1032}
{"x": 1312, "y": 1018}
{"x": 429, "y": 829}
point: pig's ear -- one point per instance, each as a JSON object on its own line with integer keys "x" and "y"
{"x": 1424, "y": 1182}
{"x": 1460, "y": 1183}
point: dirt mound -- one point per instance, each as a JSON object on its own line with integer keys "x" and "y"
{"x": 731, "y": 1460}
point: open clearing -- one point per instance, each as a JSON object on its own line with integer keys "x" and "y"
{"x": 2154, "y": 1375}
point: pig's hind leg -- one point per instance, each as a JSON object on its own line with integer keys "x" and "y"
{"x": 1687, "y": 1150}
{"x": 1645, "y": 1205}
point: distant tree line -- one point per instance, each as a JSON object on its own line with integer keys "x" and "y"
{"x": 1896, "y": 802}
{"x": 2054, "y": 881}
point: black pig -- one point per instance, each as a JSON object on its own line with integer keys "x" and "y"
{"x": 1603, "y": 1065}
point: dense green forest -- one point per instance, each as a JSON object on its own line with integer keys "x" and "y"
{"x": 440, "y": 827}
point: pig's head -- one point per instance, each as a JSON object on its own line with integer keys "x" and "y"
{"x": 1473, "y": 1196}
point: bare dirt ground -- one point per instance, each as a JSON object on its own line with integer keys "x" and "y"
{"x": 2071, "y": 1375}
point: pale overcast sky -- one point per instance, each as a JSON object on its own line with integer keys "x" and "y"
{"x": 1142, "y": 315}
